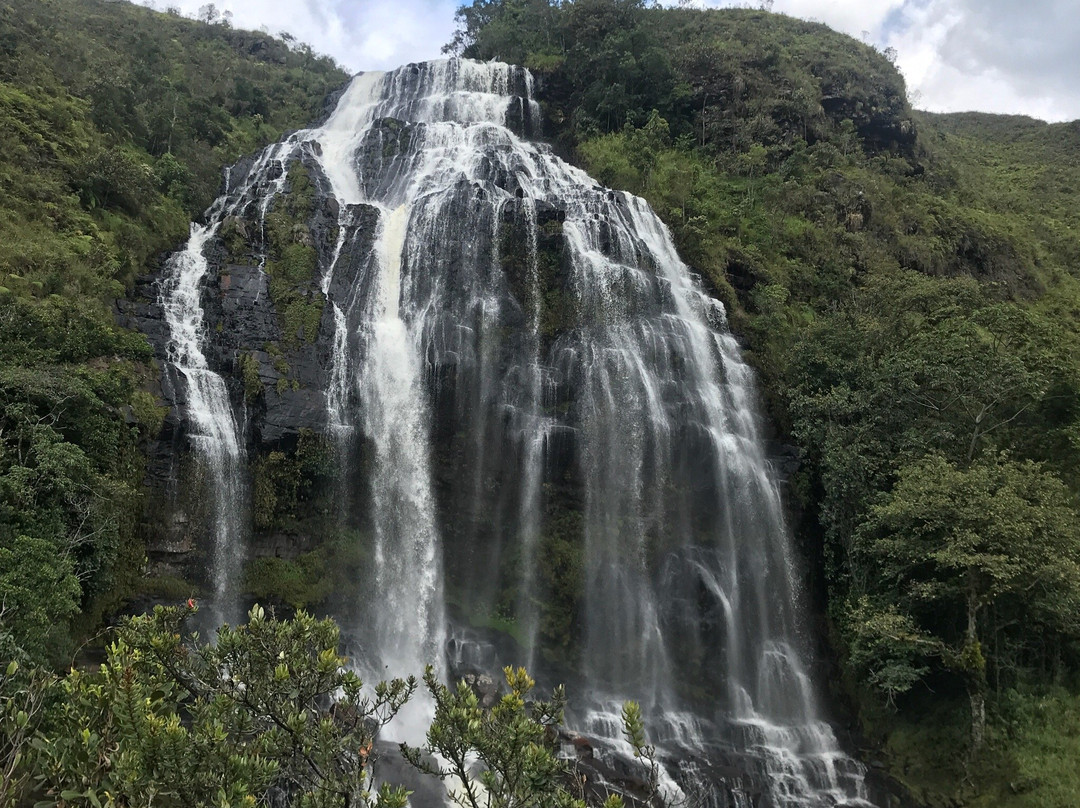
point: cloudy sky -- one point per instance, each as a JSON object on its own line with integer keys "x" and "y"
{"x": 1015, "y": 56}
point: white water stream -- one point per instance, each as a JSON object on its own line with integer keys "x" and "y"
{"x": 213, "y": 428}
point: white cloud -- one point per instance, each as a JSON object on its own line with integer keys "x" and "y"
{"x": 861, "y": 19}
{"x": 364, "y": 35}
{"x": 851, "y": 17}
{"x": 991, "y": 55}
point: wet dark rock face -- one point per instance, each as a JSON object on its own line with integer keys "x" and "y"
{"x": 277, "y": 388}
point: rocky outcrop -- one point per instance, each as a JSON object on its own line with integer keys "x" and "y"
{"x": 275, "y": 363}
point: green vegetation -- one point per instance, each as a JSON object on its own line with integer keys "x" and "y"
{"x": 557, "y": 307}
{"x": 70, "y": 473}
{"x": 562, "y": 576}
{"x": 287, "y": 485}
{"x": 115, "y": 123}
{"x": 249, "y": 374}
{"x": 985, "y": 536}
{"x": 907, "y": 287}
{"x": 168, "y": 721}
{"x": 293, "y": 262}
{"x": 312, "y": 578}
{"x": 513, "y": 739}
{"x": 269, "y": 708}
{"x": 169, "y": 587}
{"x": 300, "y": 583}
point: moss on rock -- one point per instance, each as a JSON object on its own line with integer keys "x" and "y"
{"x": 292, "y": 263}
{"x": 288, "y": 485}
{"x": 249, "y": 374}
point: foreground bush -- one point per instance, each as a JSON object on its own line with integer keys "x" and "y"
{"x": 267, "y": 714}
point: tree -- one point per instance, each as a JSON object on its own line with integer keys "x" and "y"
{"x": 954, "y": 540}
{"x": 38, "y": 594}
{"x": 60, "y": 531}
{"x": 208, "y": 13}
{"x": 967, "y": 377}
{"x": 514, "y": 741}
{"x": 515, "y": 744}
{"x": 268, "y": 712}
{"x": 913, "y": 366}
{"x": 22, "y": 694}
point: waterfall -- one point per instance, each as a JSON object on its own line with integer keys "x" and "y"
{"x": 214, "y": 432}
{"x": 561, "y": 448}
{"x": 409, "y": 622}
{"x": 213, "y": 429}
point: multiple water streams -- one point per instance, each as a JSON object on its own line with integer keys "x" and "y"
{"x": 537, "y": 335}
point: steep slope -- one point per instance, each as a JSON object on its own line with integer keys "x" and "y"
{"x": 115, "y": 122}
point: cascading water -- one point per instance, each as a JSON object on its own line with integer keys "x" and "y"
{"x": 409, "y": 623}
{"x": 213, "y": 429}
{"x": 643, "y": 383}
{"x": 213, "y": 433}
{"x": 560, "y": 432}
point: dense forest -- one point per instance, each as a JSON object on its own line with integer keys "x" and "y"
{"x": 907, "y": 286}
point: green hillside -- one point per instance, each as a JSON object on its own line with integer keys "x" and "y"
{"x": 115, "y": 124}
{"x": 906, "y": 285}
